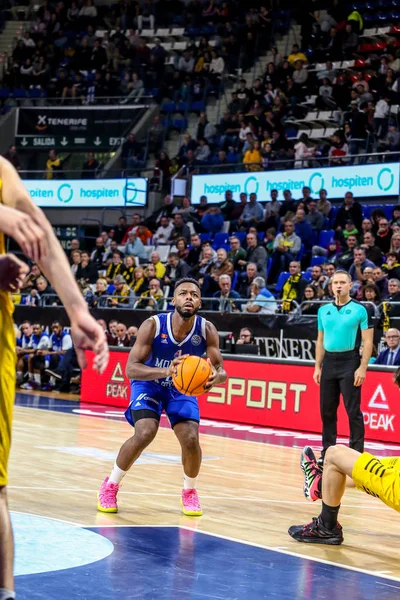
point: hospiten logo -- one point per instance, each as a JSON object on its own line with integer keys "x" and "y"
{"x": 385, "y": 179}
{"x": 251, "y": 186}
{"x": 65, "y": 193}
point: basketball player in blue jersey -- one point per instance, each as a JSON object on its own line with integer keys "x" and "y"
{"x": 161, "y": 344}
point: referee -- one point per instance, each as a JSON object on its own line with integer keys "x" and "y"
{"x": 341, "y": 326}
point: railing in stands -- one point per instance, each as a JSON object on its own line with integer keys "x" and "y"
{"x": 44, "y": 100}
{"x": 209, "y": 304}
{"x": 123, "y": 172}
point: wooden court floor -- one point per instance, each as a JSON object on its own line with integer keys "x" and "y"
{"x": 249, "y": 491}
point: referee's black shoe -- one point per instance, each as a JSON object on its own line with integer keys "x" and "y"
{"x": 316, "y": 533}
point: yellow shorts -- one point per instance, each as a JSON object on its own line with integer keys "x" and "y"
{"x": 7, "y": 383}
{"x": 379, "y": 478}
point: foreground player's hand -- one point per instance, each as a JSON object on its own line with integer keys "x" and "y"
{"x": 213, "y": 379}
{"x": 26, "y": 231}
{"x": 89, "y": 335}
{"x": 359, "y": 376}
{"x": 317, "y": 376}
{"x": 12, "y": 272}
{"x": 172, "y": 369}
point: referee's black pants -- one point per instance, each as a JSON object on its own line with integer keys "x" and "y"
{"x": 338, "y": 378}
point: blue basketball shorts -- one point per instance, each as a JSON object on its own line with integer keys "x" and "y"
{"x": 151, "y": 396}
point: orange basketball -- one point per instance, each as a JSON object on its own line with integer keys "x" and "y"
{"x": 191, "y": 376}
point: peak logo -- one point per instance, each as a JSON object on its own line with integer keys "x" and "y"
{"x": 378, "y": 399}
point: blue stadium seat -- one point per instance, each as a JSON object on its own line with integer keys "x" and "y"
{"x": 19, "y": 93}
{"x": 388, "y": 208}
{"x": 168, "y": 107}
{"x": 301, "y": 253}
{"x": 306, "y": 275}
{"x": 332, "y": 214}
{"x": 198, "y": 106}
{"x": 182, "y": 107}
{"x": 205, "y": 237}
{"x": 369, "y": 208}
{"x": 241, "y": 235}
{"x": 318, "y": 260}
{"x": 220, "y": 240}
{"x": 35, "y": 93}
{"x": 281, "y": 281}
{"x": 325, "y": 237}
{"x": 4, "y": 93}
{"x": 180, "y": 124}
{"x": 235, "y": 279}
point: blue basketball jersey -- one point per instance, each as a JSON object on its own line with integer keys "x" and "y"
{"x": 165, "y": 348}
{"x": 57, "y": 343}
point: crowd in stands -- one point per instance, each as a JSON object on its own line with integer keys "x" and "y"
{"x": 79, "y": 51}
{"x": 274, "y": 260}
{"x": 246, "y": 257}
{"x": 331, "y": 98}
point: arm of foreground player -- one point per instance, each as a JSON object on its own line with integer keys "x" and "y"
{"x": 135, "y": 368}
{"x": 86, "y": 333}
{"x": 214, "y": 358}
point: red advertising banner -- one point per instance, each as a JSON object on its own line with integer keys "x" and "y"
{"x": 265, "y": 394}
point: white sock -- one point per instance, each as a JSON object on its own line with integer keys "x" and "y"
{"x": 30, "y": 376}
{"x": 20, "y": 374}
{"x": 52, "y": 380}
{"x": 189, "y": 483}
{"x": 116, "y": 475}
{"x": 37, "y": 378}
{"x": 6, "y": 594}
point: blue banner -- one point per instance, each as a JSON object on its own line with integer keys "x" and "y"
{"x": 87, "y": 193}
{"x": 377, "y": 180}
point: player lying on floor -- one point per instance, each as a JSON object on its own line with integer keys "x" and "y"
{"x": 377, "y": 477}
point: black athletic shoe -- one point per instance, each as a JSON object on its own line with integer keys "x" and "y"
{"x": 53, "y": 374}
{"x": 316, "y": 533}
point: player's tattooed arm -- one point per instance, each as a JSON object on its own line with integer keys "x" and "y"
{"x": 214, "y": 357}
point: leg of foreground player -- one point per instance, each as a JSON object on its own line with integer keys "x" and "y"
{"x": 187, "y": 433}
{"x": 145, "y": 432}
{"x": 6, "y": 549}
{"x": 325, "y": 529}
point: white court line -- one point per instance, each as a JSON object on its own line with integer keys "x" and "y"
{"x": 396, "y": 587}
{"x": 19, "y": 512}
{"x": 167, "y": 495}
{"x": 213, "y": 435}
{"x": 276, "y": 549}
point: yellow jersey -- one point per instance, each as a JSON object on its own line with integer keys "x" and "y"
{"x": 7, "y": 372}
{"x": 4, "y": 296}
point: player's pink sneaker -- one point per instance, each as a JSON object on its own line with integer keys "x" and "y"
{"x": 107, "y": 497}
{"x": 191, "y": 503}
{"x": 312, "y": 475}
